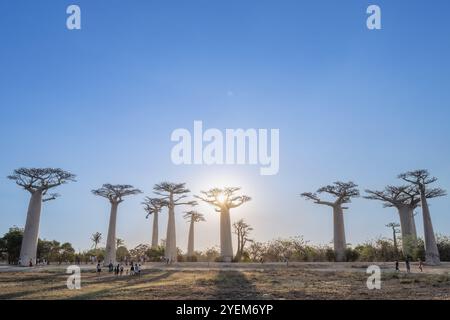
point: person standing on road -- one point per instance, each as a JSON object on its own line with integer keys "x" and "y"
{"x": 420, "y": 265}
{"x": 408, "y": 266}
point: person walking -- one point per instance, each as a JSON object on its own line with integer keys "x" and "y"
{"x": 99, "y": 268}
{"x": 408, "y": 265}
{"x": 397, "y": 269}
{"x": 420, "y": 265}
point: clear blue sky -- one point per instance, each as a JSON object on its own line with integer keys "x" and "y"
{"x": 351, "y": 104}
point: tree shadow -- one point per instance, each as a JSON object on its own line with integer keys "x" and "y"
{"x": 234, "y": 285}
{"x": 110, "y": 292}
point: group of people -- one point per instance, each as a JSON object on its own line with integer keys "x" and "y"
{"x": 135, "y": 269}
{"x": 408, "y": 265}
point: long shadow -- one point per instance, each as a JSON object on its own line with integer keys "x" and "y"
{"x": 132, "y": 280}
{"x": 234, "y": 285}
{"x": 21, "y": 294}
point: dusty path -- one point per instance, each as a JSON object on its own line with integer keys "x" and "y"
{"x": 228, "y": 281}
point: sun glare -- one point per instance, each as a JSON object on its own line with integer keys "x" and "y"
{"x": 221, "y": 198}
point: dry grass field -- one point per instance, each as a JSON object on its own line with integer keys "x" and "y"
{"x": 233, "y": 281}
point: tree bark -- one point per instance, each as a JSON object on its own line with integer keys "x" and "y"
{"x": 155, "y": 231}
{"x": 171, "y": 245}
{"x": 110, "y": 256}
{"x": 431, "y": 249}
{"x": 409, "y": 239}
{"x": 340, "y": 244}
{"x": 395, "y": 241}
{"x": 226, "y": 246}
{"x": 238, "y": 252}
{"x": 190, "y": 250}
{"x": 413, "y": 223}
{"x": 28, "y": 249}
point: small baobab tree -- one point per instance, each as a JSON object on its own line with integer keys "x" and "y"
{"x": 343, "y": 192}
{"x": 242, "y": 231}
{"x": 421, "y": 179}
{"x": 37, "y": 181}
{"x": 394, "y": 226}
{"x": 224, "y": 200}
{"x": 192, "y": 217}
{"x": 174, "y": 194}
{"x": 119, "y": 243}
{"x": 405, "y": 200}
{"x": 115, "y": 195}
{"x": 96, "y": 238}
{"x": 153, "y": 206}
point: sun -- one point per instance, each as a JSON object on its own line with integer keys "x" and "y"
{"x": 221, "y": 198}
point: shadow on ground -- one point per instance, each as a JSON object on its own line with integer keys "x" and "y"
{"x": 234, "y": 285}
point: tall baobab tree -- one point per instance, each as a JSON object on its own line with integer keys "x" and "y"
{"x": 173, "y": 194}
{"x": 421, "y": 179}
{"x": 153, "y": 206}
{"x": 115, "y": 195}
{"x": 224, "y": 200}
{"x": 96, "y": 238}
{"x": 37, "y": 181}
{"x": 343, "y": 192}
{"x": 394, "y": 226}
{"x": 405, "y": 199}
{"x": 242, "y": 231}
{"x": 192, "y": 217}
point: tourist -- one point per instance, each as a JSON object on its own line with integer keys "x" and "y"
{"x": 99, "y": 268}
{"x": 397, "y": 269}
{"x": 138, "y": 269}
{"x": 420, "y": 265}
{"x": 132, "y": 270}
{"x": 121, "y": 270}
{"x": 408, "y": 266}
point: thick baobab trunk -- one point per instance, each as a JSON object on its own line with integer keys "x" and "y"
{"x": 171, "y": 245}
{"x": 339, "y": 234}
{"x": 431, "y": 249}
{"x": 155, "y": 231}
{"x": 31, "y": 233}
{"x": 226, "y": 246}
{"x": 190, "y": 250}
{"x": 110, "y": 256}
{"x": 409, "y": 239}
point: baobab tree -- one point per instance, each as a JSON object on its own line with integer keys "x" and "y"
{"x": 242, "y": 231}
{"x": 173, "y": 194}
{"x": 405, "y": 199}
{"x": 115, "y": 195}
{"x": 343, "y": 192}
{"x": 224, "y": 200}
{"x": 153, "y": 206}
{"x": 96, "y": 238}
{"x": 421, "y": 179}
{"x": 192, "y": 217}
{"x": 37, "y": 181}
{"x": 119, "y": 242}
{"x": 394, "y": 226}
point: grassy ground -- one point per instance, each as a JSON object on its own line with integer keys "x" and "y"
{"x": 237, "y": 281}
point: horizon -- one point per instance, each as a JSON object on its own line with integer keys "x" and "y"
{"x": 102, "y": 102}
